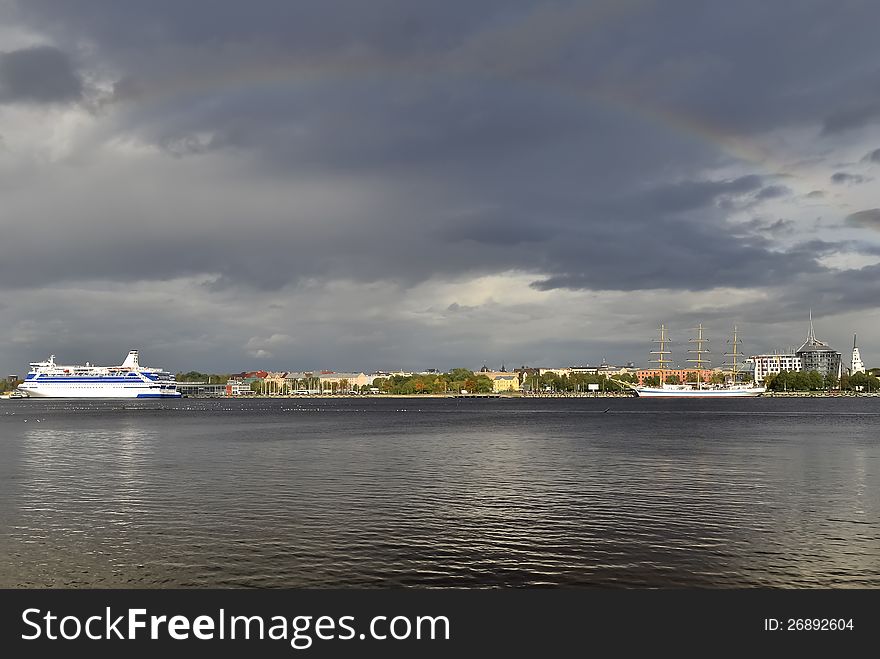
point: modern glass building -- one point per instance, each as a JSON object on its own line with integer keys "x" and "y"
{"x": 816, "y": 355}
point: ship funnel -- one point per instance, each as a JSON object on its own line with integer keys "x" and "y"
{"x": 132, "y": 360}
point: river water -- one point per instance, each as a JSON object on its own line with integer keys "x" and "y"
{"x": 381, "y": 492}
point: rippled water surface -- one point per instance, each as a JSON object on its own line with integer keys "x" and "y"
{"x": 433, "y": 492}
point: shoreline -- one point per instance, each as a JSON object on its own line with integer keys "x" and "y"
{"x": 517, "y": 396}
{"x": 775, "y": 394}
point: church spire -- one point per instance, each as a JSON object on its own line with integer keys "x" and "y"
{"x": 812, "y": 335}
{"x": 857, "y": 365}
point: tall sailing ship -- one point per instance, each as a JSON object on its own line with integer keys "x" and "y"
{"x": 698, "y": 389}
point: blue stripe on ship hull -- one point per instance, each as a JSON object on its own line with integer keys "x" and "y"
{"x": 159, "y": 395}
{"x": 43, "y": 380}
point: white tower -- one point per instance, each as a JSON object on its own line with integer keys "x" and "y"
{"x": 857, "y": 365}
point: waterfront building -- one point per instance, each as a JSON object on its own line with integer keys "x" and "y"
{"x": 818, "y": 356}
{"x": 274, "y": 384}
{"x": 764, "y": 365}
{"x": 242, "y": 381}
{"x": 388, "y": 374}
{"x": 203, "y": 389}
{"x": 856, "y": 366}
{"x": 343, "y": 383}
{"x": 606, "y": 369}
{"x": 301, "y": 382}
{"x": 503, "y": 380}
{"x": 681, "y": 373}
{"x": 237, "y": 387}
{"x": 813, "y": 355}
{"x": 560, "y": 372}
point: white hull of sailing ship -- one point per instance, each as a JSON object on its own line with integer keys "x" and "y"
{"x": 672, "y": 391}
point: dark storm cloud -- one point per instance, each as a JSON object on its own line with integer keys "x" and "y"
{"x": 852, "y": 118}
{"x": 262, "y": 145}
{"x": 845, "y": 178}
{"x": 41, "y": 74}
{"x": 773, "y": 192}
{"x": 873, "y": 156}
{"x": 692, "y": 195}
{"x": 778, "y": 227}
{"x": 706, "y": 60}
{"x": 676, "y": 261}
{"x": 495, "y": 229}
{"x": 868, "y": 219}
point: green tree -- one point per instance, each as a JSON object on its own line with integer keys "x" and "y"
{"x": 484, "y": 385}
{"x": 460, "y": 374}
{"x": 9, "y": 384}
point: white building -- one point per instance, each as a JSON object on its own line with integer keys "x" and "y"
{"x": 236, "y": 387}
{"x": 561, "y": 372}
{"x": 857, "y": 365}
{"x": 765, "y": 365}
{"x": 344, "y": 382}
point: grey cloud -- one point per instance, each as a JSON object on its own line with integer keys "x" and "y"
{"x": 845, "y": 178}
{"x": 873, "y": 156}
{"x": 263, "y": 146}
{"x": 676, "y": 261}
{"x": 41, "y": 74}
{"x": 852, "y": 118}
{"x": 778, "y": 227}
{"x": 496, "y": 230}
{"x": 691, "y": 195}
{"x": 773, "y": 192}
{"x": 816, "y": 194}
{"x": 693, "y": 66}
{"x": 867, "y": 219}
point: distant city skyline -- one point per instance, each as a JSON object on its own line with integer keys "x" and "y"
{"x": 228, "y": 186}
{"x": 679, "y": 344}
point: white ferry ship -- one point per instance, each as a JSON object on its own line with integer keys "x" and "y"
{"x": 129, "y": 380}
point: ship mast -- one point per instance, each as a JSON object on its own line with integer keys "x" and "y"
{"x": 734, "y": 362}
{"x": 698, "y": 351}
{"x": 661, "y": 353}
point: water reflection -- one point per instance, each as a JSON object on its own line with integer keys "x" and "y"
{"x": 414, "y": 493}
{"x": 79, "y": 492}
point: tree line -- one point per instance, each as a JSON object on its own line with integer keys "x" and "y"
{"x": 452, "y": 382}
{"x": 815, "y": 381}
{"x": 9, "y": 384}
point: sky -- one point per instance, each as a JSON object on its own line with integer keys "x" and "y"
{"x": 349, "y": 185}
